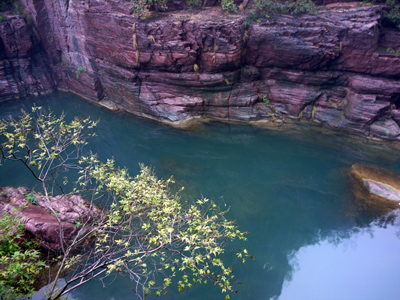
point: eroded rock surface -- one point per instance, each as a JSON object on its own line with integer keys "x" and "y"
{"x": 39, "y": 219}
{"x": 331, "y": 68}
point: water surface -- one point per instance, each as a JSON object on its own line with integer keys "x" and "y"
{"x": 290, "y": 190}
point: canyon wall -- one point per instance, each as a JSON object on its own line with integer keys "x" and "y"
{"x": 331, "y": 68}
{"x": 23, "y": 67}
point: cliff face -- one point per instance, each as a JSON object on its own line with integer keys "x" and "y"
{"x": 23, "y": 69}
{"x": 331, "y": 68}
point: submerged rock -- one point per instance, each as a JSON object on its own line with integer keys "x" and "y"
{"x": 375, "y": 189}
{"x": 38, "y": 215}
{"x": 382, "y": 190}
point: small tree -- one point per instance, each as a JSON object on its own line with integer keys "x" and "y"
{"x": 146, "y": 231}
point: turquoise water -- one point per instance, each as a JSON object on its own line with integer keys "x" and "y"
{"x": 290, "y": 190}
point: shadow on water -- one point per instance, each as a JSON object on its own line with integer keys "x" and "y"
{"x": 289, "y": 189}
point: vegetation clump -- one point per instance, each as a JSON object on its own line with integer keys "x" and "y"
{"x": 391, "y": 12}
{"x": 20, "y": 259}
{"x": 194, "y": 3}
{"x": 79, "y": 71}
{"x": 393, "y": 51}
{"x": 229, "y": 6}
{"x": 268, "y": 8}
{"x": 261, "y": 8}
{"x": 31, "y": 198}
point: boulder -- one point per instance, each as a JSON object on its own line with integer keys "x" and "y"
{"x": 39, "y": 215}
{"x": 376, "y": 189}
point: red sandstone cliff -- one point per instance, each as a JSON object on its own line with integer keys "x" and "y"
{"x": 330, "y": 68}
{"x": 23, "y": 69}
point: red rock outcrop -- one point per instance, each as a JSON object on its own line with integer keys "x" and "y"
{"x": 330, "y": 68}
{"x": 39, "y": 219}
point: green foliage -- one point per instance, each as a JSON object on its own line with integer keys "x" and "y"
{"x": 141, "y": 7}
{"x": 11, "y": 230}
{"x": 79, "y": 72}
{"x": 266, "y": 100}
{"x": 272, "y": 116}
{"x": 391, "y": 14}
{"x": 261, "y": 8}
{"x": 302, "y": 7}
{"x": 229, "y": 6}
{"x": 267, "y": 8}
{"x": 275, "y": 113}
{"x": 31, "y": 198}
{"x": 194, "y": 3}
{"x": 147, "y": 232}
{"x": 20, "y": 261}
{"x": 393, "y": 51}
{"x": 78, "y": 224}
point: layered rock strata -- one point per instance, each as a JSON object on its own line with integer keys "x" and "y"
{"x": 331, "y": 68}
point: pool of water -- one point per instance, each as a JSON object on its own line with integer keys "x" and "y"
{"x": 290, "y": 190}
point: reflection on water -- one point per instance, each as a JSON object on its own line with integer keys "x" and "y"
{"x": 289, "y": 190}
{"x": 365, "y": 266}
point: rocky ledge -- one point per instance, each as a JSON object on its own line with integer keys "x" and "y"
{"x": 330, "y": 69}
{"x": 39, "y": 215}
